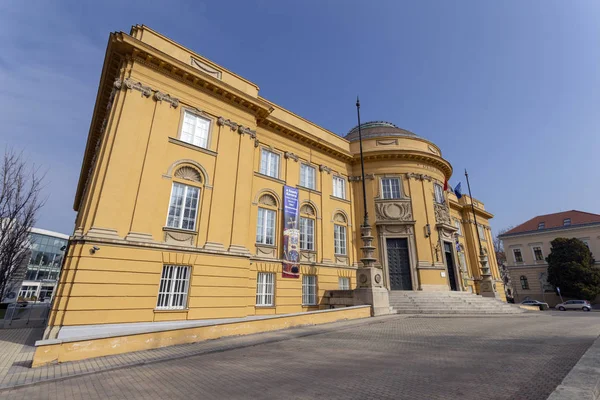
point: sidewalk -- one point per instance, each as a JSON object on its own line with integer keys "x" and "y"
{"x": 16, "y": 347}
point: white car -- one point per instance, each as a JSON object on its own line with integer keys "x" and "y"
{"x": 574, "y": 305}
{"x": 535, "y": 303}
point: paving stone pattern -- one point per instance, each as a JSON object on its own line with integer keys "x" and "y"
{"x": 399, "y": 357}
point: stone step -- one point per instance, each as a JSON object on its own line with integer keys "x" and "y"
{"x": 446, "y": 311}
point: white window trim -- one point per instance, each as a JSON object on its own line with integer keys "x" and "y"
{"x": 198, "y": 116}
{"x": 265, "y": 289}
{"x": 313, "y": 182}
{"x": 533, "y": 253}
{"x": 515, "y": 256}
{"x": 264, "y": 227}
{"x": 268, "y": 164}
{"x": 343, "y": 283}
{"x": 441, "y": 191}
{"x": 341, "y": 179}
{"x": 391, "y": 178}
{"x": 338, "y": 240}
{"x": 177, "y": 287}
{"x": 313, "y": 232}
{"x": 306, "y": 299}
{"x": 180, "y": 222}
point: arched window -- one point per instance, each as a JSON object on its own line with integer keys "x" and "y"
{"x": 266, "y": 222}
{"x": 524, "y": 282}
{"x": 307, "y": 226}
{"x": 185, "y": 198}
{"x": 339, "y": 234}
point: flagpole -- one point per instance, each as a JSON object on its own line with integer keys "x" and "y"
{"x": 362, "y": 165}
{"x": 487, "y": 287}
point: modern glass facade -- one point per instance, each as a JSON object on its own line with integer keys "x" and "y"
{"x": 43, "y": 269}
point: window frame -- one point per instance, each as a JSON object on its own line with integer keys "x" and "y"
{"x": 567, "y": 222}
{"x": 313, "y": 183}
{"x": 306, "y": 296}
{"x": 524, "y": 282}
{"x": 172, "y": 281}
{"x": 303, "y": 242}
{"x": 265, "y": 227}
{"x": 265, "y": 289}
{"x": 271, "y": 153}
{"x": 458, "y": 227}
{"x": 541, "y": 225}
{"x": 338, "y": 243}
{"x": 438, "y": 190}
{"x": 343, "y": 286}
{"x": 535, "y": 257}
{"x": 183, "y": 207}
{"x": 515, "y": 255}
{"x": 390, "y": 186}
{"x": 196, "y": 115}
{"x": 343, "y": 186}
{"x": 481, "y": 229}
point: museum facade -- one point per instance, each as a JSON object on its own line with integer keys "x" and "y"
{"x": 195, "y": 192}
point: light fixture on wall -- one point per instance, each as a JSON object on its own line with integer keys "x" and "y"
{"x": 94, "y": 249}
{"x": 427, "y": 230}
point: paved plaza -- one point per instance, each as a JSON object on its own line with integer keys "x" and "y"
{"x": 397, "y": 357}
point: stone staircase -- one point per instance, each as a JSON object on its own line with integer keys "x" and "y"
{"x": 419, "y": 302}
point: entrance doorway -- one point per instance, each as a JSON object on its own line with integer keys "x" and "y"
{"x": 450, "y": 265}
{"x": 399, "y": 264}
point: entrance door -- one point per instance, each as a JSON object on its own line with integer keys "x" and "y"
{"x": 399, "y": 264}
{"x": 450, "y": 265}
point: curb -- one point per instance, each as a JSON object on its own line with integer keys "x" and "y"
{"x": 583, "y": 381}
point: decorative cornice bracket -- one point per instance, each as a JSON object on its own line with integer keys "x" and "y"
{"x": 420, "y": 177}
{"x": 324, "y": 168}
{"x": 160, "y": 96}
{"x": 227, "y": 122}
{"x": 288, "y": 154}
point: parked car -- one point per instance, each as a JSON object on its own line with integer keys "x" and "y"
{"x": 541, "y": 305}
{"x": 574, "y": 305}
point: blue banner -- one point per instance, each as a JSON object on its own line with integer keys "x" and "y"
{"x": 291, "y": 233}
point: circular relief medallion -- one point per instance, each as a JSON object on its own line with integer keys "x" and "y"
{"x": 363, "y": 278}
{"x": 378, "y": 278}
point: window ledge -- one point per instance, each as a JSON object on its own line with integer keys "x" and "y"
{"x": 339, "y": 199}
{"x": 172, "y": 311}
{"x": 264, "y": 307}
{"x": 169, "y": 229}
{"x": 269, "y": 178}
{"x": 315, "y": 191}
{"x": 192, "y": 146}
{"x": 270, "y": 246}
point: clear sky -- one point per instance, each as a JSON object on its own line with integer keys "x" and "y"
{"x": 508, "y": 89}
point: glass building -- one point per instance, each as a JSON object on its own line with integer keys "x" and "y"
{"x": 43, "y": 269}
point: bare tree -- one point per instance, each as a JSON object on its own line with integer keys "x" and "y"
{"x": 19, "y": 204}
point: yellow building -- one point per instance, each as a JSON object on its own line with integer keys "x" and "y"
{"x": 180, "y": 200}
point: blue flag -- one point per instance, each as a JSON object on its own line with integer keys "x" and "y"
{"x": 458, "y": 191}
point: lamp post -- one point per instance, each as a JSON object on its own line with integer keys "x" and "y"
{"x": 487, "y": 287}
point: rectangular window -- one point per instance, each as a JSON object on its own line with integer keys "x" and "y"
{"x": 339, "y": 187}
{"x": 339, "y": 239}
{"x": 567, "y": 222}
{"x": 458, "y": 228}
{"x": 390, "y": 188}
{"x": 541, "y": 225}
{"x": 265, "y": 227}
{"x": 194, "y": 129}
{"x": 309, "y": 290}
{"x": 265, "y": 287}
{"x": 307, "y": 233}
{"x": 183, "y": 207}
{"x": 481, "y": 232}
{"x": 537, "y": 252}
{"x": 173, "y": 290}
{"x": 439, "y": 193}
{"x": 518, "y": 255}
{"x": 269, "y": 163}
{"x": 307, "y": 176}
{"x": 344, "y": 283}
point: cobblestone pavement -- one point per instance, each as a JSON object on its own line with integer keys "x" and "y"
{"x": 513, "y": 357}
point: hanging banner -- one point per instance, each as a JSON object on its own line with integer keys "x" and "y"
{"x": 291, "y": 233}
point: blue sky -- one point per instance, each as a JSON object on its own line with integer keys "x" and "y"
{"x": 508, "y": 89}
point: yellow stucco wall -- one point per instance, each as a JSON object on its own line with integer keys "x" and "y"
{"x": 134, "y": 155}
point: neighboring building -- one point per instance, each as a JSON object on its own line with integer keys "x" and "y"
{"x": 43, "y": 269}
{"x": 528, "y": 245}
{"x": 180, "y": 200}
{"x": 36, "y": 279}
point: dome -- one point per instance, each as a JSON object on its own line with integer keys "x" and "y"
{"x": 374, "y": 129}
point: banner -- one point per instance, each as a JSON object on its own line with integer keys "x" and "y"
{"x": 291, "y": 233}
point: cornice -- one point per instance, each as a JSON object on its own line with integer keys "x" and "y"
{"x": 414, "y": 155}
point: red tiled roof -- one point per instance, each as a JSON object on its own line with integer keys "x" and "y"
{"x": 555, "y": 221}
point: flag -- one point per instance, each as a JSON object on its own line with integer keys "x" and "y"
{"x": 445, "y": 184}
{"x": 458, "y": 191}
